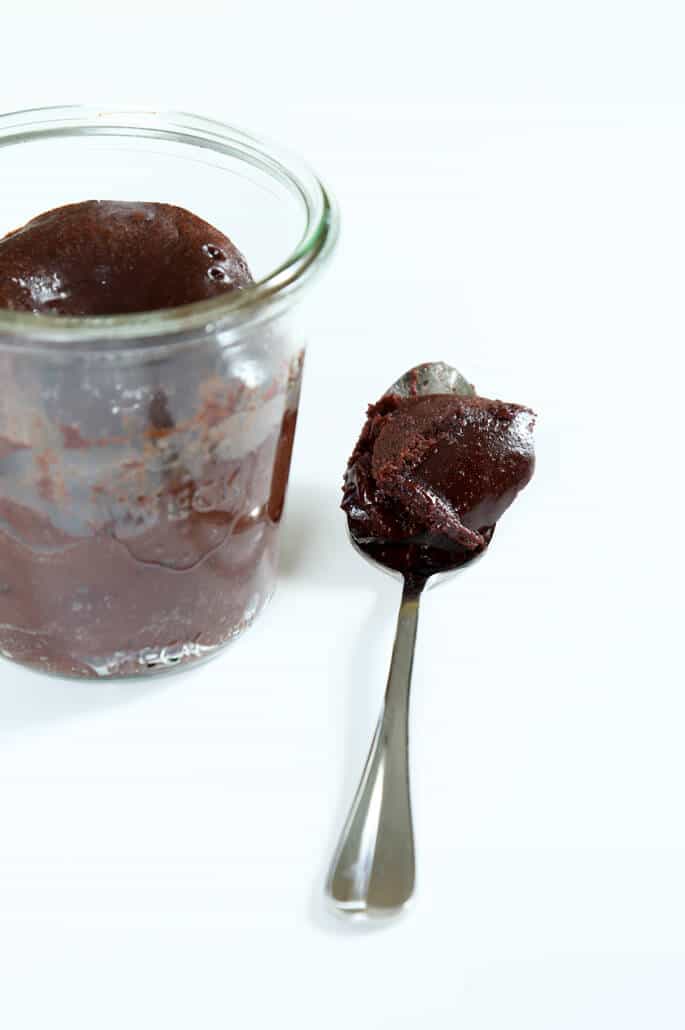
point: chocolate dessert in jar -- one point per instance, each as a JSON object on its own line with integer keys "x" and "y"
{"x": 154, "y": 271}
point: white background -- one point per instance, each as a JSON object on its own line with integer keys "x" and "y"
{"x": 512, "y": 185}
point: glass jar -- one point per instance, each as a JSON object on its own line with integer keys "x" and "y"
{"x": 144, "y": 458}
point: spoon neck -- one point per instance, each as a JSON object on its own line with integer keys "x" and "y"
{"x": 413, "y": 585}
{"x": 399, "y": 679}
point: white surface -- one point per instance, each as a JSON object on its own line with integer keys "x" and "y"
{"x": 513, "y": 202}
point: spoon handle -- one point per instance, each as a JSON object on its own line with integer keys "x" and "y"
{"x": 373, "y": 868}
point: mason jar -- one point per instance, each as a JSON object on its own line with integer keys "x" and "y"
{"x": 144, "y": 458}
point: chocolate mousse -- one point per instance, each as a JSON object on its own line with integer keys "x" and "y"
{"x": 140, "y": 494}
{"x": 104, "y": 257}
{"x": 431, "y": 475}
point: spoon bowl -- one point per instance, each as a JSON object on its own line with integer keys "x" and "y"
{"x": 431, "y": 377}
{"x": 433, "y": 579}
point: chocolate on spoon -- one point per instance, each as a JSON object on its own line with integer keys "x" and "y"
{"x": 434, "y": 469}
{"x": 432, "y": 472}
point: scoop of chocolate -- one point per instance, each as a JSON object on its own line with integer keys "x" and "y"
{"x": 431, "y": 475}
{"x": 104, "y": 257}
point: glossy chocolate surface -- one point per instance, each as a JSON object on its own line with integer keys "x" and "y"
{"x": 431, "y": 475}
{"x": 104, "y": 257}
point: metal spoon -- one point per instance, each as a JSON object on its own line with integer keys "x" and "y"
{"x": 373, "y": 870}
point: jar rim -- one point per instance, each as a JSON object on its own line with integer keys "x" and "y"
{"x": 226, "y": 313}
